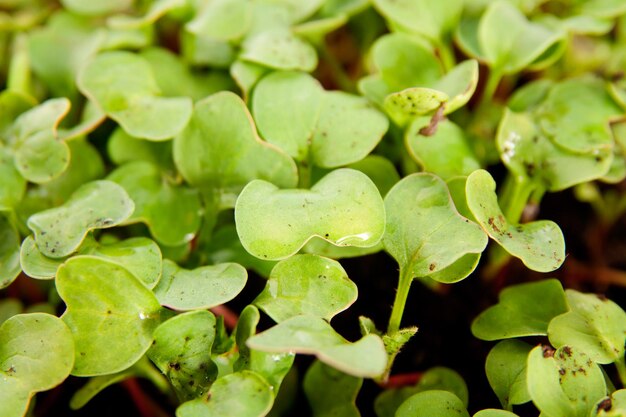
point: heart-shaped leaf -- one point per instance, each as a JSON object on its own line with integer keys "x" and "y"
{"x": 223, "y": 20}
{"x": 438, "y": 378}
{"x": 240, "y": 394}
{"x": 344, "y": 208}
{"x": 95, "y": 205}
{"x": 427, "y": 18}
{"x": 539, "y": 244}
{"x": 523, "y": 310}
{"x": 171, "y": 211}
{"x": 123, "y": 85}
{"x": 123, "y": 148}
{"x": 509, "y": 42}
{"x": 531, "y": 156}
{"x": 331, "y": 392}
{"x": 314, "y": 336}
{"x": 9, "y": 252}
{"x": 433, "y": 403}
{"x": 279, "y": 49}
{"x": 420, "y": 219}
{"x": 39, "y": 156}
{"x": 36, "y": 354}
{"x": 445, "y": 153}
{"x": 126, "y": 313}
{"x": 139, "y": 255}
{"x": 594, "y": 325}
{"x": 200, "y": 288}
{"x": 182, "y": 351}
{"x": 330, "y": 129}
{"x": 271, "y": 366}
{"x": 506, "y": 371}
{"x": 220, "y": 149}
{"x": 306, "y": 284}
{"x": 565, "y": 382}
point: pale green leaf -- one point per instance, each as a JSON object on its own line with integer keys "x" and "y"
{"x": 96, "y": 7}
{"x": 279, "y": 49}
{"x": 222, "y": 20}
{"x": 331, "y": 392}
{"x": 433, "y": 403}
{"x": 506, "y": 371}
{"x": 9, "y": 252}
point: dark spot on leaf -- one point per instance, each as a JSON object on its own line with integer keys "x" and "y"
{"x": 548, "y": 351}
{"x": 567, "y": 350}
{"x": 606, "y": 404}
{"x": 175, "y": 366}
{"x": 562, "y": 371}
{"x": 431, "y": 267}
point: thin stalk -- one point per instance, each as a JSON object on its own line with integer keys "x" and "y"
{"x": 399, "y": 302}
{"x": 19, "y": 77}
{"x": 446, "y": 55}
{"x": 515, "y": 196}
{"x": 621, "y": 370}
{"x": 493, "y": 80}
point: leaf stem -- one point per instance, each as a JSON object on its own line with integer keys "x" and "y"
{"x": 399, "y": 302}
{"x": 515, "y": 196}
{"x": 19, "y": 77}
{"x": 446, "y": 54}
{"x": 493, "y": 81}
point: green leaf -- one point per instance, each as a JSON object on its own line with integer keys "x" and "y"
{"x": 344, "y": 208}
{"x": 413, "y": 102}
{"x": 97, "y": 384}
{"x": 39, "y": 156}
{"x": 494, "y": 413}
{"x": 97, "y": 7}
{"x": 446, "y": 152}
{"x": 240, "y": 394}
{"x": 246, "y": 75}
{"x": 124, "y": 86}
{"x": 531, "y": 156}
{"x": 59, "y": 49}
{"x": 9, "y": 307}
{"x": 200, "y": 288}
{"x": 9, "y": 252}
{"x": 182, "y": 351}
{"x": 139, "y": 255}
{"x": 522, "y": 310}
{"x": 420, "y": 219}
{"x": 539, "y": 244}
{"x": 433, "y": 403}
{"x": 271, "y": 366}
{"x": 423, "y": 17}
{"x": 220, "y": 149}
{"x": 612, "y": 406}
{"x": 296, "y": 9}
{"x": 565, "y": 382}
{"x": 171, "y": 211}
{"x": 36, "y": 354}
{"x": 95, "y": 205}
{"x": 200, "y": 50}
{"x": 113, "y": 326}
{"x": 604, "y": 8}
{"x": 506, "y": 371}
{"x": 313, "y": 335}
{"x": 12, "y": 104}
{"x": 438, "y": 378}
{"x": 576, "y": 114}
{"x": 157, "y": 9}
{"x": 306, "y": 284}
{"x": 509, "y": 41}
{"x": 331, "y": 392}
{"x": 594, "y": 325}
{"x": 13, "y": 184}
{"x": 175, "y": 79}
{"x": 279, "y": 49}
{"x": 123, "y": 148}
{"x": 223, "y": 20}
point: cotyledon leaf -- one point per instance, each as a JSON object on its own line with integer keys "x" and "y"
{"x": 506, "y": 371}
{"x": 123, "y": 85}
{"x": 328, "y": 128}
{"x": 222, "y": 20}
{"x": 344, "y": 207}
{"x": 96, "y": 205}
{"x": 239, "y": 394}
{"x": 96, "y": 7}
{"x": 182, "y": 351}
{"x": 594, "y": 325}
{"x": 432, "y": 403}
{"x": 111, "y": 314}
{"x": 331, "y": 392}
{"x": 36, "y": 354}
{"x": 9, "y": 252}
{"x": 565, "y": 382}
{"x": 200, "y": 288}
{"x": 539, "y": 244}
{"x": 39, "y": 155}
{"x": 492, "y": 412}
{"x": 530, "y": 155}
{"x": 279, "y": 49}
{"x": 157, "y": 9}
{"x": 140, "y": 255}
{"x": 420, "y": 218}
{"x": 612, "y": 406}
{"x": 522, "y": 310}
{"x": 306, "y": 284}
{"x": 313, "y": 335}
{"x": 171, "y": 211}
{"x": 220, "y": 149}
{"x": 13, "y": 184}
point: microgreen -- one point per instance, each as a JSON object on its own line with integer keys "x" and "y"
{"x": 198, "y": 192}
